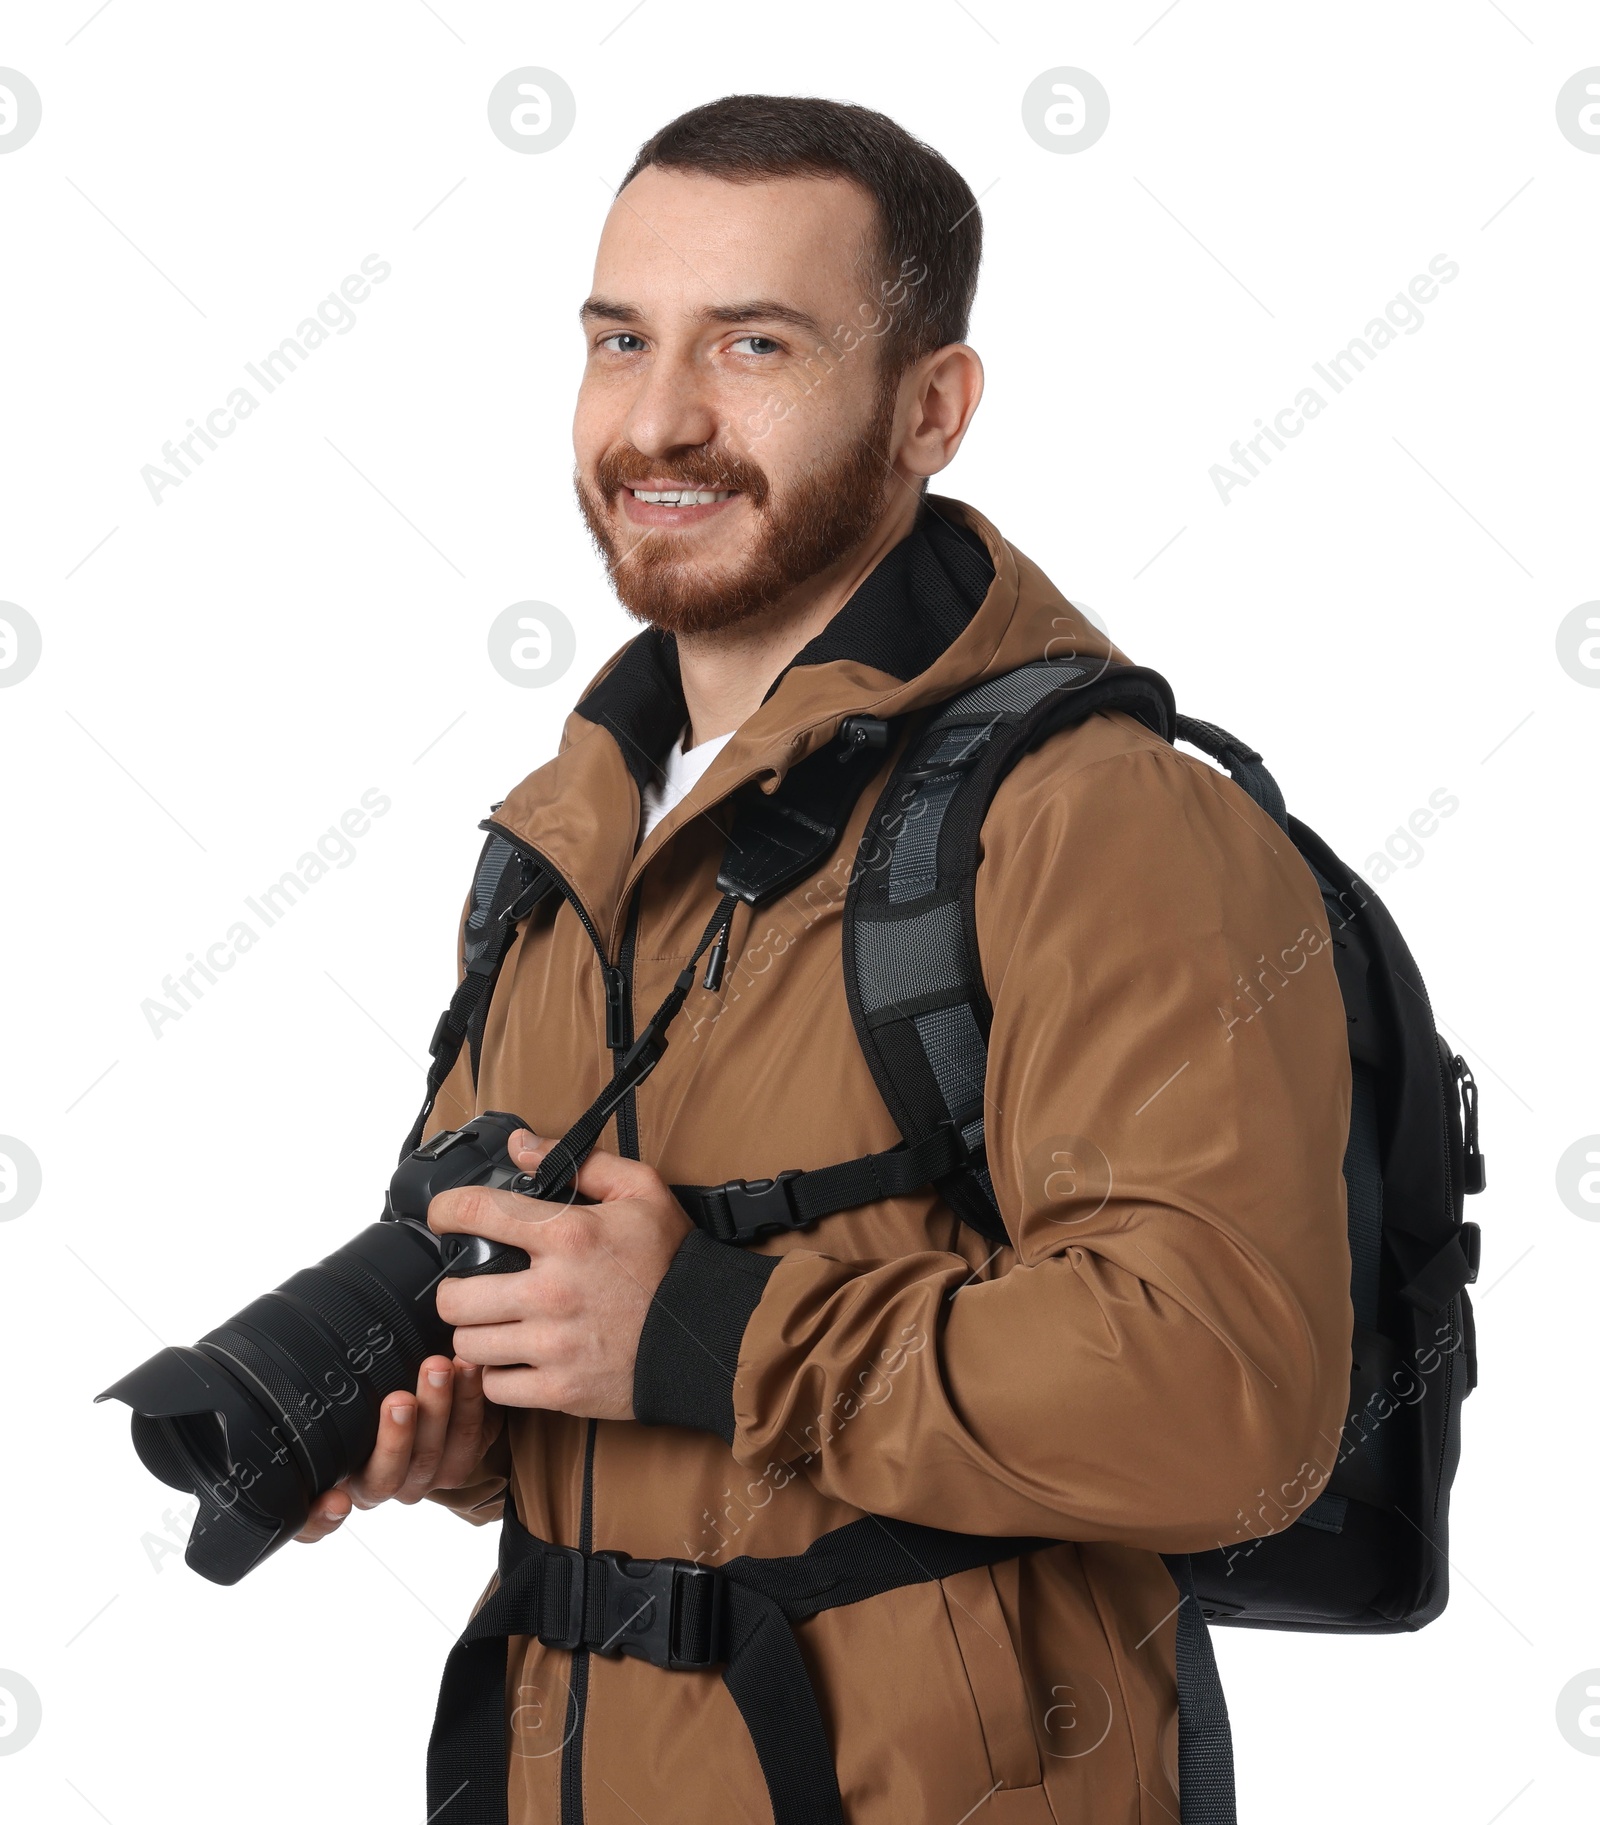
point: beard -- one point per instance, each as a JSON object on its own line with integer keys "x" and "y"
{"x": 799, "y": 532}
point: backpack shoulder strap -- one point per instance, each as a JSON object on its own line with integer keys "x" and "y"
{"x": 912, "y": 971}
{"x": 506, "y": 885}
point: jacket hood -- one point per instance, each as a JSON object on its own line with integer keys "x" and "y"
{"x": 952, "y": 604}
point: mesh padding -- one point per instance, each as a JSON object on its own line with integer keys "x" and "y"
{"x": 956, "y": 1052}
{"x": 1012, "y": 694}
{"x": 899, "y": 959}
{"x": 913, "y": 867}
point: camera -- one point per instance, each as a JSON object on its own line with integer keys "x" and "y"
{"x": 278, "y": 1403}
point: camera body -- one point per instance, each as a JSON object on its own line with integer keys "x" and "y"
{"x": 282, "y": 1400}
{"x": 473, "y": 1154}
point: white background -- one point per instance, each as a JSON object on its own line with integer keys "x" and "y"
{"x": 305, "y": 618}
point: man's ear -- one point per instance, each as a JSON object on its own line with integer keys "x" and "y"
{"x": 939, "y": 394}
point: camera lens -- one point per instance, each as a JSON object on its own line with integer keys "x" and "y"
{"x": 281, "y": 1401}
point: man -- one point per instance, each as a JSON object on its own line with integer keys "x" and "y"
{"x": 776, "y": 365}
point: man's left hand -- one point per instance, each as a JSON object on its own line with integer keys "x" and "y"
{"x": 564, "y": 1333}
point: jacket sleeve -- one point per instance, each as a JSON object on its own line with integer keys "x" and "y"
{"x": 1167, "y": 1344}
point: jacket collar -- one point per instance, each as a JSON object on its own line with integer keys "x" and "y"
{"x": 951, "y": 604}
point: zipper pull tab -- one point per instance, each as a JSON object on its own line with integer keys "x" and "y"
{"x": 1475, "y": 1174}
{"x": 616, "y": 1007}
{"x": 717, "y": 962}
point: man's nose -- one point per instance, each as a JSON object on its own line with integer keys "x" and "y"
{"x": 671, "y": 410}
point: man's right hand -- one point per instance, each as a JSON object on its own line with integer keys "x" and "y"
{"x": 429, "y": 1440}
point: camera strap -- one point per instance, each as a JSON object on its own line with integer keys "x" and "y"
{"x": 560, "y": 1165}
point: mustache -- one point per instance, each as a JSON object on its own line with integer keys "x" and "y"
{"x": 704, "y": 467}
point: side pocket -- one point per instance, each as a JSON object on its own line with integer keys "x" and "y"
{"x": 990, "y": 1659}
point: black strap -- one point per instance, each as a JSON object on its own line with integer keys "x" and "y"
{"x": 1205, "y": 1739}
{"x": 743, "y": 1210}
{"x": 506, "y": 887}
{"x": 1244, "y": 765}
{"x": 912, "y": 970}
{"x": 675, "y": 1613}
{"x": 1455, "y": 1266}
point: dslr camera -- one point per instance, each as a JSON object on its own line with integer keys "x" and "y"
{"x": 282, "y": 1400}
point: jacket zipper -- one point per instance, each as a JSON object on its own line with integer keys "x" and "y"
{"x": 618, "y": 979}
{"x": 572, "y": 1748}
{"x": 628, "y": 1114}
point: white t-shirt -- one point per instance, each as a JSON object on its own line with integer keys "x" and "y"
{"x": 679, "y": 774}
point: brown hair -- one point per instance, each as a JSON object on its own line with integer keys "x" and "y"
{"x": 930, "y": 235}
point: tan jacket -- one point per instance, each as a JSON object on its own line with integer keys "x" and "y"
{"x": 1160, "y": 1361}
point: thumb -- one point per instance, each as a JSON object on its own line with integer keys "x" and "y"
{"x": 602, "y": 1176}
{"x": 607, "y": 1176}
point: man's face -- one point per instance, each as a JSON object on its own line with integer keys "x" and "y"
{"x": 710, "y": 303}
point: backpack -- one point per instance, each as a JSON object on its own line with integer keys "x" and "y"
{"x": 1369, "y": 1553}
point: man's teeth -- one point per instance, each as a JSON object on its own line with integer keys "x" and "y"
{"x": 681, "y": 497}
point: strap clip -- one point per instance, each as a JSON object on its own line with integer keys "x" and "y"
{"x": 563, "y": 1597}
{"x": 670, "y": 1612}
{"x": 443, "y": 1034}
{"x": 666, "y": 1611}
{"x": 754, "y": 1207}
{"x": 1472, "y": 1248}
{"x": 969, "y": 756}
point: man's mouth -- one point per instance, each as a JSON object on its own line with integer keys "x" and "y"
{"x": 681, "y": 497}
{"x": 673, "y": 503}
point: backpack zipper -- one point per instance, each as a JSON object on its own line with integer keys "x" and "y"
{"x": 1449, "y": 1089}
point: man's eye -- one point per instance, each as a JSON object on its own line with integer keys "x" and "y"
{"x": 620, "y": 336}
{"x": 767, "y": 345}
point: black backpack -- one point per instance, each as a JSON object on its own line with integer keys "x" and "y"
{"x": 1369, "y": 1553}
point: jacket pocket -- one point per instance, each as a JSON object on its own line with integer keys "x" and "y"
{"x": 998, "y": 1692}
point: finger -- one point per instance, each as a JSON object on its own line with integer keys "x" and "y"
{"x": 474, "y": 1426}
{"x": 528, "y": 1149}
{"x": 601, "y": 1175}
{"x": 608, "y": 1176}
{"x": 501, "y": 1216}
{"x": 429, "y": 1427}
{"x": 326, "y": 1513}
{"x": 385, "y": 1470}
{"x": 521, "y": 1387}
{"x": 486, "y": 1299}
{"x": 496, "y": 1345}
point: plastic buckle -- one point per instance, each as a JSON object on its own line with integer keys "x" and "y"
{"x": 568, "y": 1592}
{"x": 648, "y": 1605}
{"x": 969, "y": 756}
{"x": 442, "y": 1033}
{"x": 758, "y": 1207}
{"x": 1472, "y": 1248}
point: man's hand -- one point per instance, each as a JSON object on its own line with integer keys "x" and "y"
{"x": 564, "y": 1333}
{"x": 427, "y": 1441}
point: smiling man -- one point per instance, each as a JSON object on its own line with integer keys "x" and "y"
{"x": 836, "y": 1465}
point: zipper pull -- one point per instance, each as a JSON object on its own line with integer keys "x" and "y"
{"x": 1475, "y": 1174}
{"x": 717, "y": 962}
{"x": 616, "y": 1007}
